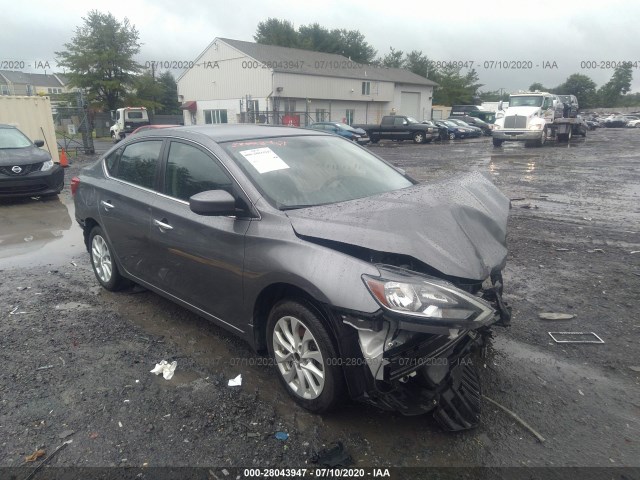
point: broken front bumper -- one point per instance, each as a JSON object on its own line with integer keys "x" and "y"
{"x": 399, "y": 366}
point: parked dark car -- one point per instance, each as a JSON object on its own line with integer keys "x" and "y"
{"x": 342, "y": 129}
{"x": 456, "y": 131}
{"x": 443, "y": 132}
{"x": 355, "y": 279}
{"x": 485, "y": 128}
{"x": 477, "y": 130}
{"x": 570, "y": 106}
{"x": 25, "y": 169}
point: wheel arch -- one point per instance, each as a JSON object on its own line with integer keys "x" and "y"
{"x": 276, "y": 292}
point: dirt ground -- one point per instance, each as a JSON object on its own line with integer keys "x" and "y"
{"x": 75, "y": 359}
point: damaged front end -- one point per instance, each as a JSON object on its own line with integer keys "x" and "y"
{"x": 416, "y": 353}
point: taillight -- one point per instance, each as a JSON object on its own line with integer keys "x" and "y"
{"x": 75, "y": 183}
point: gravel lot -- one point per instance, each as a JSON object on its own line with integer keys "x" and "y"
{"x": 76, "y": 359}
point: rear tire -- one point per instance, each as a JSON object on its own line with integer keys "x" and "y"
{"x": 304, "y": 356}
{"x": 103, "y": 262}
{"x": 418, "y": 137}
{"x": 452, "y": 136}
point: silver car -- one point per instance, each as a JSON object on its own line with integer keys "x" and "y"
{"x": 355, "y": 279}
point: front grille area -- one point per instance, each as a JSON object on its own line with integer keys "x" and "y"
{"x": 26, "y": 169}
{"x": 515, "y": 121}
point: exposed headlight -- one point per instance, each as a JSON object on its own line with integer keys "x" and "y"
{"x": 426, "y": 297}
{"x": 496, "y": 126}
{"x": 536, "y": 126}
{"x": 48, "y": 165}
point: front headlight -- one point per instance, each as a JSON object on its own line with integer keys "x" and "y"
{"x": 536, "y": 126}
{"x": 499, "y": 115}
{"x": 426, "y": 297}
{"x": 496, "y": 126}
{"x": 48, "y": 165}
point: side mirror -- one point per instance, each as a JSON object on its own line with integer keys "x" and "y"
{"x": 39, "y": 143}
{"x": 213, "y": 202}
{"x": 500, "y": 105}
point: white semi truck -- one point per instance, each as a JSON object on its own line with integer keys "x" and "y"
{"x": 533, "y": 117}
{"x": 126, "y": 120}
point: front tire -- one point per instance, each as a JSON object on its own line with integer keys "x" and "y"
{"x": 103, "y": 262}
{"x": 304, "y": 356}
{"x": 452, "y": 136}
{"x": 497, "y": 142}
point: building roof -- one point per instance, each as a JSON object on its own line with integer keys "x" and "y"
{"x": 308, "y": 62}
{"x": 35, "y": 79}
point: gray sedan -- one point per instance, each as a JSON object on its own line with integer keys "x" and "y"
{"x": 355, "y": 279}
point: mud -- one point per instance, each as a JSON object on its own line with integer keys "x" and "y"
{"x": 75, "y": 357}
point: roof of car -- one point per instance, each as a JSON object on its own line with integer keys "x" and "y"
{"x": 234, "y": 132}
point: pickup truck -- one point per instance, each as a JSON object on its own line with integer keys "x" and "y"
{"x": 399, "y": 127}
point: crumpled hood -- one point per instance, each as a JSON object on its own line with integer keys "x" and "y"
{"x": 22, "y": 156}
{"x": 457, "y": 226}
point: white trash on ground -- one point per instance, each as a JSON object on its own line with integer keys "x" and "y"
{"x": 167, "y": 369}
{"x": 235, "y": 382}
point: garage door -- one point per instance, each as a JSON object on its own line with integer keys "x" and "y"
{"x": 410, "y": 104}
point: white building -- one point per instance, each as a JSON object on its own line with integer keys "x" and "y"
{"x": 234, "y": 81}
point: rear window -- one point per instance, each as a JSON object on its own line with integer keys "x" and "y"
{"x": 134, "y": 115}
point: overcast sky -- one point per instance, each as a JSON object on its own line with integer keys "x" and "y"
{"x": 549, "y": 33}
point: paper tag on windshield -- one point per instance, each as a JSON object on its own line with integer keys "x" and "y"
{"x": 264, "y": 159}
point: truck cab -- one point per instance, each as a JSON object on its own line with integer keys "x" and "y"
{"x": 126, "y": 120}
{"x": 527, "y": 118}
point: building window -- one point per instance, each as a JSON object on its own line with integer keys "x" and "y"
{"x": 321, "y": 115}
{"x": 350, "y": 114}
{"x": 289, "y": 105}
{"x": 366, "y": 88}
{"x": 215, "y": 116}
{"x": 4, "y": 89}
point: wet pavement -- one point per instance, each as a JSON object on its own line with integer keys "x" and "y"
{"x": 574, "y": 240}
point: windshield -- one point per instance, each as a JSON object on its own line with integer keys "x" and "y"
{"x": 303, "y": 171}
{"x": 450, "y": 123}
{"x": 344, "y": 126}
{"x": 13, "y": 138}
{"x": 526, "y": 101}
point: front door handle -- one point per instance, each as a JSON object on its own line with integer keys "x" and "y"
{"x": 162, "y": 225}
{"x": 107, "y": 206}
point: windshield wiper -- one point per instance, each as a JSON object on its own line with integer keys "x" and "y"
{"x": 295, "y": 207}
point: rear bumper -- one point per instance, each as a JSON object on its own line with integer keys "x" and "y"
{"x": 34, "y": 184}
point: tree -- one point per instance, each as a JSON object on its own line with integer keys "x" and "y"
{"x": 419, "y": 64}
{"x": 146, "y": 92}
{"x": 538, "y": 86}
{"x": 455, "y": 88}
{"x": 350, "y": 43}
{"x": 100, "y": 58}
{"x": 582, "y": 87}
{"x": 609, "y": 94}
{"x": 393, "y": 59}
{"x": 169, "y": 97}
{"x": 277, "y": 32}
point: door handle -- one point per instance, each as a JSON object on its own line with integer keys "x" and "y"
{"x": 107, "y": 206}
{"x": 161, "y": 225}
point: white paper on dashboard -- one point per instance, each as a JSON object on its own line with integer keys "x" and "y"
{"x": 264, "y": 159}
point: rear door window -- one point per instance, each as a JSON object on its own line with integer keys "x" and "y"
{"x": 138, "y": 163}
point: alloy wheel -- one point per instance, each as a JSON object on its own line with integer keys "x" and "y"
{"x": 101, "y": 257}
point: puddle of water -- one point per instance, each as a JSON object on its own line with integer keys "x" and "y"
{"x": 38, "y": 232}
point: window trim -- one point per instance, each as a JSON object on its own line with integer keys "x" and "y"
{"x": 161, "y": 155}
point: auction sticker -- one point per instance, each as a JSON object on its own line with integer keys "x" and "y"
{"x": 264, "y": 159}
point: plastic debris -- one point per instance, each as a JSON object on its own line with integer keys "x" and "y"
{"x": 15, "y": 311}
{"x": 332, "y": 456}
{"x": 635, "y": 369}
{"x": 282, "y": 435}
{"x": 35, "y": 456}
{"x": 120, "y": 424}
{"x": 575, "y": 337}
{"x": 596, "y": 250}
{"x": 555, "y": 316}
{"x": 235, "y": 382}
{"x": 562, "y": 249}
{"x": 167, "y": 369}
{"x": 66, "y": 433}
